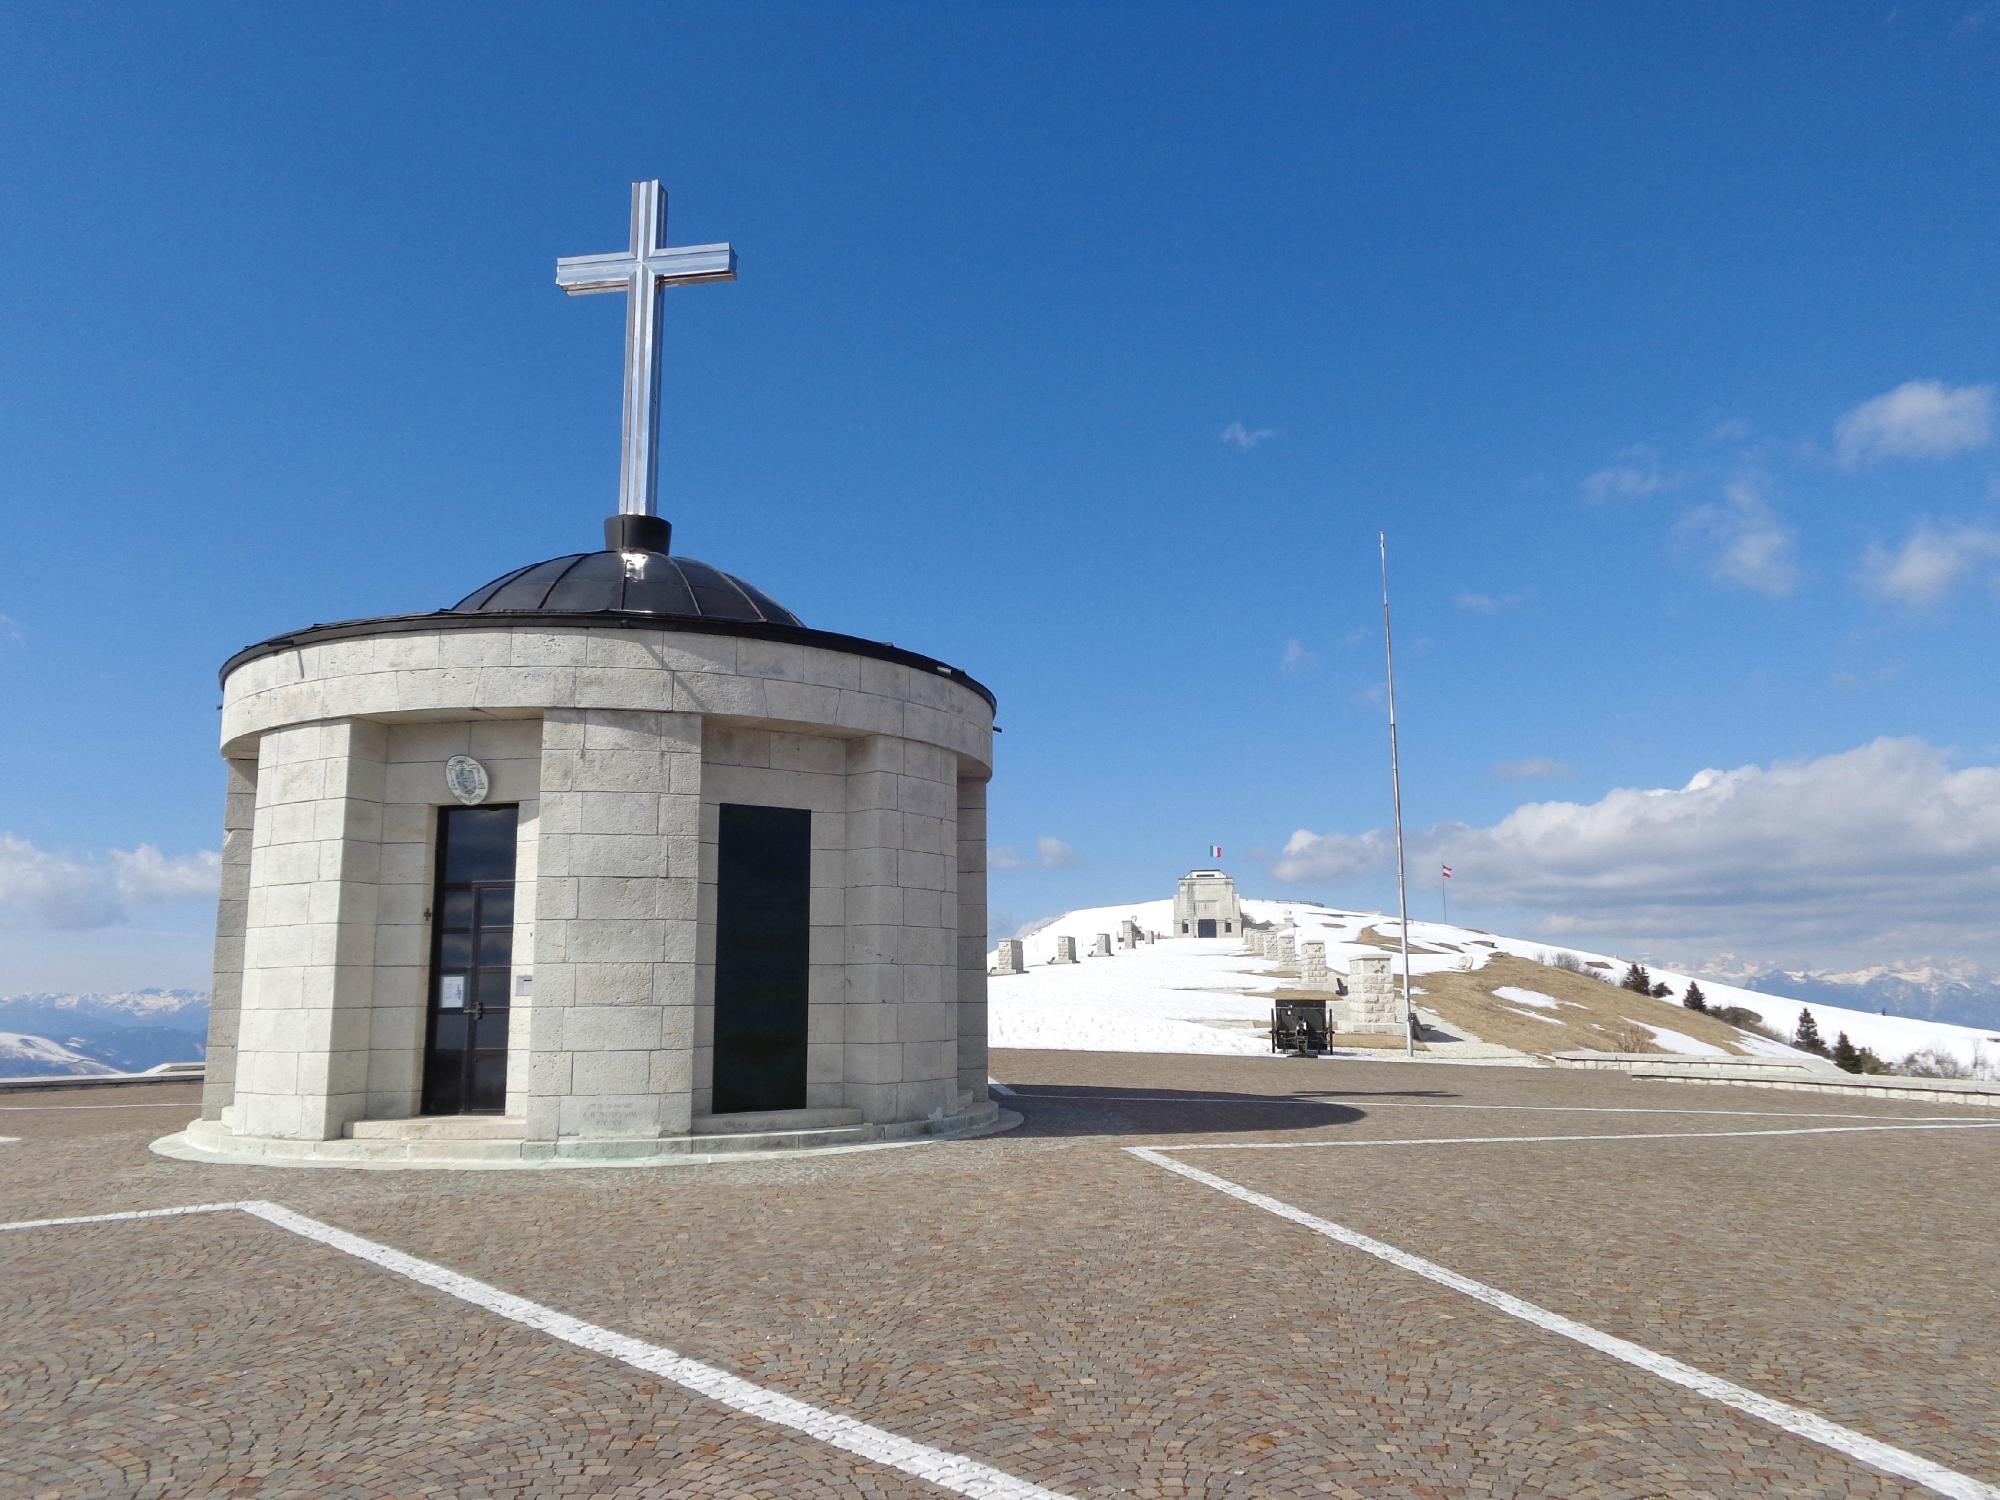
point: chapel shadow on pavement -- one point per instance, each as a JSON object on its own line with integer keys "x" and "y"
{"x": 1086, "y": 1110}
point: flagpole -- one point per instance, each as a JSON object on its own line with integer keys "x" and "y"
{"x": 1444, "y": 894}
{"x": 1396, "y": 784}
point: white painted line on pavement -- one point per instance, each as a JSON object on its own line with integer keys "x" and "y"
{"x": 1000, "y": 1088}
{"x": 948, "y": 1471}
{"x": 133, "y": 1213}
{"x": 1510, "y": 1140}
{"x": 1795, "y": 1420}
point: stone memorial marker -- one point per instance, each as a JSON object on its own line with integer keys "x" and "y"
{"x": 1065, "y": 950}
{"x": 1313, "y": 972}
{"x": 1008, "y": 957}
{"x": 1374, "y": 1004}
{"x": 1101, "y": 948}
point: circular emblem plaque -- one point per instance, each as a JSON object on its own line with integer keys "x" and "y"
{"x": 467, "y": 779}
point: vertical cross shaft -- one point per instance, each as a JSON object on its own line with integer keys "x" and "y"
{"x": 643, "y": 272}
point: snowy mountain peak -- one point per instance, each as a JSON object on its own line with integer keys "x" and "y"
{"x": 155, "y": 1005}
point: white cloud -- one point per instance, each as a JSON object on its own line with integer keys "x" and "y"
{"x": 1633, "y": 474}
{"x": 1886, "y": 847}
{"x": 11, "y": 633}
{"x": 1050, "y": 854}
{"x": 1534, "y": 768}
{"x": 1863, "y": 682}
{"x": 145, "y": 874}
{"x": 1247, "y": 437}
{"x": 1488, "y": 604}
{"x": 1744, "y": 541}
{"x": 1930, "y": 564}
{"x": 1296, "y": 658}
{"x": 1918, "y": 419}
{"x": 42, "y": 889}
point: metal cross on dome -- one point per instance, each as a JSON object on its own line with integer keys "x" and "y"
{"x": 643, "y": 272}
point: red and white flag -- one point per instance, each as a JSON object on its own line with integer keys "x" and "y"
{"x": 1447, "y": 871}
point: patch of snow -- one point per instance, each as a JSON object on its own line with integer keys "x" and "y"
{"x": 1681, "y": 1042}
{"x": 1763, "y": 1046}
{"x": 1077, "y": 1030}
{"x": 1535, "y": 1015}
{"x": 1531, "y": 997}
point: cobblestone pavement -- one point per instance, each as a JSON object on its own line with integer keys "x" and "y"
{"x": 1041, "y": 1301}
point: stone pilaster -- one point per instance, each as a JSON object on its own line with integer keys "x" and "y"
{"x": 972, "y": 1058}
{"x": 616, "y": 891}
{"x": 239, "y": 816}
{"x": 309, "y": 940}
{"x": 901, "y": 909}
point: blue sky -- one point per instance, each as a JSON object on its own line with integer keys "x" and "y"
{"x": 1086, "y": 347}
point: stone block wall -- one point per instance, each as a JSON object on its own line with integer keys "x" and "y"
{"x": 309, "y": 941}
{"x": 239, "y": 816}
{"x": 612, "y": 1030}
{"x": 901, "y": 1023}
{"x": 618, "y": 745}
{"x": 971, "y": 978}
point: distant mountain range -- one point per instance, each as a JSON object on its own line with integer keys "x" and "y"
{"x": 51, "y": 1035}
{"x": 1950, "y": 990}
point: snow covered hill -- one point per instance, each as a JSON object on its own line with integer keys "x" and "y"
{"x": 124, "y": 1033}
{"x": 1210, "y": 995}
{"x": 38, "y": 1057}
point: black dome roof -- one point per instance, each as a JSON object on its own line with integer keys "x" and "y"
{"x": 646, "y": 583}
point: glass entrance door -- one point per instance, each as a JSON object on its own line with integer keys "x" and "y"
{"x": 472, "y": 956}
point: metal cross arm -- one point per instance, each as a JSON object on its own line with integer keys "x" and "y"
{"x": 685, "y": 265}
{"x": 643, "y": 271}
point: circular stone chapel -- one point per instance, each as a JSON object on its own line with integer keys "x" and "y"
{"x": 613, "y": 859}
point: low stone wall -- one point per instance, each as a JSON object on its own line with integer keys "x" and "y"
{"x": 1810, "y": 1075}
{"x": 1860, "y": 1085}
{"x": 177, "y": 1073}
{"x": 1681, "y": 1063}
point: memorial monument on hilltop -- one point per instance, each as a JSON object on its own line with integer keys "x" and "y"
{"x": 1205, "y": 905}
{"x": 615, "y": 857}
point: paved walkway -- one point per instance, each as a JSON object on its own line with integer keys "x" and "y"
{"x": 1056, "y": 1311}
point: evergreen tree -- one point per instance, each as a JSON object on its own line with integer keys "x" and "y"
{"x": 1695, "y": 999}
{"x": 1807, "y": 1038}
{"x": 1846, "y": 1056}
{"x": 1637, "y": 980}
{"x": 1660, "y": 991}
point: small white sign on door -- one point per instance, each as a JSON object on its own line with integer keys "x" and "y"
{"x": 451, "y": 992}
